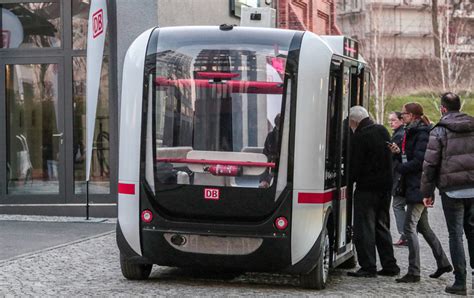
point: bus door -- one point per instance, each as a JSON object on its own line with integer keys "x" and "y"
{"x": 356, "y": 85}
{"x": 337, "y": 135}
{"x": 344, "y": 223}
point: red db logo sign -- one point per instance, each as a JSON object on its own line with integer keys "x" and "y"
{"x": 97, "y": 23}
{"x": 211, "y": 193}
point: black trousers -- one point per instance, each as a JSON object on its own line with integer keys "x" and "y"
{"x": 372, "y": 230}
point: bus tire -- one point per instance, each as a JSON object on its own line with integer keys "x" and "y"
{"x": 317, "y": 278}
{"x": 134, "y": 271}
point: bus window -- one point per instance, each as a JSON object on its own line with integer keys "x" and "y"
{"x": 356, "y": 81}
{"x": 366, "y": 88}
{"x": 334, "y": 99}
{"x": 215, "y": 107}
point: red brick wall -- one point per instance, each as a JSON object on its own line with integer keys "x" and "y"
{"x": 317, "y": 16}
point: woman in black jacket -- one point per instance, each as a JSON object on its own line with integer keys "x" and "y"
{"x": 411, "y": 156}
{"x": 399, "y": 203}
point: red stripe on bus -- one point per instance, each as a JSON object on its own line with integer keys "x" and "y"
{"x": 315, "y": 198}
{"x": 126, "y": 189}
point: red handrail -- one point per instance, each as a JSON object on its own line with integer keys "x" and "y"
{"x": 219, "y": 162}
{"x": 216, "y": 75}
{"x": 252, "y": 87}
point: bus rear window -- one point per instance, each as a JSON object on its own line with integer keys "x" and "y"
{"x": 216, "y": 105}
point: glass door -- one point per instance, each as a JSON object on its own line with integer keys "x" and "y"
{"x": 32, "y": 103}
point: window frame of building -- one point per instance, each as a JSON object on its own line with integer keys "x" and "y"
{"x": 65, "y": 54}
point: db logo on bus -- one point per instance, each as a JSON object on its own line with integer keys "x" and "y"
{"x": 211, "y": 194}
{"x": 97, "y": 23}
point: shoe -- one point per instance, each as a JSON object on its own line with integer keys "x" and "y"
{"x": 441, "y": 271}
{"x": 362, "y": 273}
{"x": 385, "y": 272}
{"x": 401, "y": 242}
{"x": 408, "y": 278}
{"x": 456, "y": 289}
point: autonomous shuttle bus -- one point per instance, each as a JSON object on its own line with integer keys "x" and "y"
{"x": 234, "y": 150}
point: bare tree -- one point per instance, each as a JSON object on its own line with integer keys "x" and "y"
{"x": 452, "y": 34}
{"x": 435, "y": 24}
{"x": 378, "y": 50}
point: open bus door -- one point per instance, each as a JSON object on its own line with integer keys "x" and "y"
{"x": 337, "y": 151}
{"x": 348, "y": 87}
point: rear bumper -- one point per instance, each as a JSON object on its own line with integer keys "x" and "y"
{"x": 273, "y": 254}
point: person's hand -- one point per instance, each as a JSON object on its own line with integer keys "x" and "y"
{"x": 428, "y": 202}
{"x": 263, "y": 184}
{"x": 394, "y": 148}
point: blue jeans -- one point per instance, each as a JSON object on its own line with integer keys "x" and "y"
{"x": 459, "y": 215}
{"x": 399, "y": 204}
{"x": 416, "y": 220}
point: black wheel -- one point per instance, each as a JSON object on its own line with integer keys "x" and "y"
{"x": 350, "y": 263}
{"x": 317, "y": 278}
{"x": 134, "y": 271}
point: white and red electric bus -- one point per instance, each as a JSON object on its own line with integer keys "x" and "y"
{"x": 234, "y": 151}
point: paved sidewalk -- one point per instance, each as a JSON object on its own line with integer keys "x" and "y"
{"x": 91, "y": 268}
{"x": 25, "y": 237}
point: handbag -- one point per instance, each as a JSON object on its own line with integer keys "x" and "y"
{"x": 400, "y": 187}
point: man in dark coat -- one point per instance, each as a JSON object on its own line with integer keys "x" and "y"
{"x": 449, "y": 165}
{"x": 371, "y": 170}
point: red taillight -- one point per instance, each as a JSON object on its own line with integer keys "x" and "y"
{"x": 147, "y": 216}
{"x": 281, "y": 223}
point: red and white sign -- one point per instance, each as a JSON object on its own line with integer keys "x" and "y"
{"x": 5, "y": 38}
{"x": 97, "y": 23}
{"x": 211, "y": 194}
{"x": 97, "y": 26}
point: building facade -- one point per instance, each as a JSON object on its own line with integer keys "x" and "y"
{"x": 43, "y": 91}
{"x": 317, "y": 16}
{"x": 42, "y": 104}
{"x": 403, "y": 28}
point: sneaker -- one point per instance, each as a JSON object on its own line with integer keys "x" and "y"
{"x": 362, "y": 273}
{"x": 408, "y": 278}
{"x": 441, "y": 271}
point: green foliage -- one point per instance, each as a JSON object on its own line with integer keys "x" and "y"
{"x": 429, "y": 102}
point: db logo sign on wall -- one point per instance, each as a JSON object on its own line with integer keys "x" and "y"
{"x": 211, "y": 194}
{"x": 97, "y": 23}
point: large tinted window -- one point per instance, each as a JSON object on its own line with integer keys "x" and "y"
{"x": 216, "y": 101}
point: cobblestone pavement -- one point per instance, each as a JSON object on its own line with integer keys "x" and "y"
{"x": 91, "y": 268}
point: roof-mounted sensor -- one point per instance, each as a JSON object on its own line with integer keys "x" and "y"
{"x": 226, "y": 27}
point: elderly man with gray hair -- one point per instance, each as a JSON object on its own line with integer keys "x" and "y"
{"x": 371, "y": 170}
